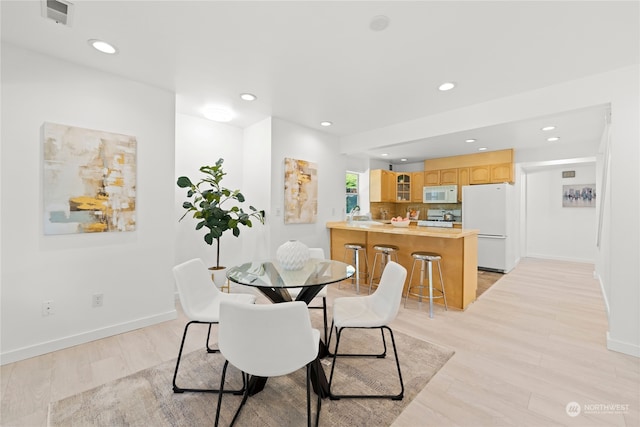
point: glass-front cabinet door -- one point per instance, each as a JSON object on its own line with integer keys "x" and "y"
{"x": 403, "y": 187}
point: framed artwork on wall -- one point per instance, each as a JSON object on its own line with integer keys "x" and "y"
{"x": 300, "y": 191}
{"x": 89, "y": 180}
{"x": 579, "y": 196}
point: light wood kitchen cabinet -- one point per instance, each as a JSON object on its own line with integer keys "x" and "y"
{"x": 449, "y": 177}
{"x": 432, "y": 177}
{"x": 463, "y": 179}
{"x": 382, "y": 186}
{"x": 417, "y": 182}
{"x": 403, "y": 187}
{"x": 502, "y": 173}
{"x": 480, "y": 174}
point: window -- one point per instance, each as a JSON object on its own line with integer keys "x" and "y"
{"x": 352, "y": 190}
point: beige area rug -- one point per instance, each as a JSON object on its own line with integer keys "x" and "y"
{"x": 146, "y": 398}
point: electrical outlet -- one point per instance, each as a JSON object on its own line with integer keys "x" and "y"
{"x": 98, "y": 299}
{"x": 47, "y": 308}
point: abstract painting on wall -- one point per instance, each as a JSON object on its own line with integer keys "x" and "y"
{"x": 89, "y": 180}
{"x": 300, "y": 191}
{"x": 579, "y": 196}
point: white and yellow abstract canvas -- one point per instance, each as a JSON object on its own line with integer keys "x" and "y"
{"x": 89, "y": 180}
{"x": 300, "y": 191}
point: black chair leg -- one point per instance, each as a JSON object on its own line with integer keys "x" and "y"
{"x": 334, "y": 396}
{"x": 209, "y": 349}
{"x": 324, "y": 312}
{"x": 177, "y": 389}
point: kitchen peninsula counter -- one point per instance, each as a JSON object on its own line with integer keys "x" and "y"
{"x": 458, "y": 248}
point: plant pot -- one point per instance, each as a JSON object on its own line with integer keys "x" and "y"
{"x": 219, "y": 276}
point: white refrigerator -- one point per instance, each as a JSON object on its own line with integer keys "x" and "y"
{"x": 490, "y": 209}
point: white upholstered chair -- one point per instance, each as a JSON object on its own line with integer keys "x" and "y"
{"x": 200, "y": 300}
{"x": 267, "y": 340}
{"x": 317, "y": 253}
{"x": 373, "y": 311}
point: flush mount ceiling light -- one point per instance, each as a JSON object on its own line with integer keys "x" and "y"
{"x": 470, "y": 140}
{"x": 103, "y": 46}
{"x": 548, "y": 128}
{"x": 482, "y": 149}
{"x": 553, "y": 139}
{"x": 403, "y": 160}
{"x": 379, "y": 23}
{"x": 326, "y": 123}
{"x": 384, "y": 154}
{"x": 446, "y": 86}
{"x": 218, "y": 114}
{"x": 248, "y": 96}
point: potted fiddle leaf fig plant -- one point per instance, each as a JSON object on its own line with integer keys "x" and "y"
{"x": 216, "y": 210}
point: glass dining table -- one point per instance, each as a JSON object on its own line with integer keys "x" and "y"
{"x": 272, "y": 280}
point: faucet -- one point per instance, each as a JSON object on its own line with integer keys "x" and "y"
{"x": 354, "y": 211}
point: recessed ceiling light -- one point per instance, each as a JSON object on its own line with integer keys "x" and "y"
{"x": 548, "y": 128}
{"x": 482, "y": 149}
{"x": 384, "y": 154}
{"x": 325, "y": 123}
{"x": 248, "y": 96}
{"x": 553, "y": 139}
{"x": 379, "y": 23}
{"x": 218, "y": 114}
{"x": 403, "y": 160}
{"x": 470, "y": 140}
{"x": 446, "y": 86}
{"x": 103, "y": 46}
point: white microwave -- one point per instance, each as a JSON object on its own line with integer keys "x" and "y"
{"x": 440, "y": 194}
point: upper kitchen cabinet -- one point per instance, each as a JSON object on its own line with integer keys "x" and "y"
{"x": 382, "y": 186}
{"x": 449, "y": 177}
{"x": 403, "y": 187}
{"x": 481, "y": 168}
{"x": 491, "y": 174}
{"x": 431, "y": 177}
{"x": 463, "y": 179}
{"x": 417, "y": 182}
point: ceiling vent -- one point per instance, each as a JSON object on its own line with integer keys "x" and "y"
{"x": 58, "y": 10}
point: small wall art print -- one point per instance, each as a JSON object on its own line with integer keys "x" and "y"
{"x": 579, "y": 196}
{"x": 300, "y": 191}
{"x": 89, "y": 180}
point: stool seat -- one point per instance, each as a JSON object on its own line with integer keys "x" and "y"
{"x": 356, "y": 249}
{"x": 426, "y": 261}
{"x": 353, "y": 246}
{"x": 427, "y": 256}
{"x": 384, "y": 254}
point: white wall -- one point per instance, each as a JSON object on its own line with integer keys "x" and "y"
{"x": 298, "y": 142}
{"x": 201, "y": 142}
{"x": 621, "y": 233}
{"x": 554, "y": 232}
{"x": 131, "y": 269}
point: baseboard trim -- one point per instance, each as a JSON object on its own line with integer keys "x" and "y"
{"x": 623, "y": 347}
{"x": 85, "y": 337}
{"x": 560, "y": 258}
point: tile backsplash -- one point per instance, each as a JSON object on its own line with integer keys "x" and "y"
{"x": 400, "y": 209}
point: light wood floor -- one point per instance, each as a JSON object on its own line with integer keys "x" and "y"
{"x": 531, "y": 344}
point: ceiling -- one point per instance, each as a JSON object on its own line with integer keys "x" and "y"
{"x": 314, "y": 61}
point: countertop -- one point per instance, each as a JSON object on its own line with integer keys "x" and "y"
{"x": 413, "y": 229}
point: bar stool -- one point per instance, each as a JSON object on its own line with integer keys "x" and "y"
{"x": 356, "y": 249}
{"x": 385, "y": 254}
{"x": 426, "y": 259}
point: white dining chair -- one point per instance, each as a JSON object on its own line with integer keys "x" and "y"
{"x": 373, "y": 311}
{"x": 267, "y": 340}
{"x": 316, "y": 253}
{"x": 200, "y": 300}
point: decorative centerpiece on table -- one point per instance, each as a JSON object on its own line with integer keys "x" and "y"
{"x": 210, "y": 203}
{"x": 292, "y": 255}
